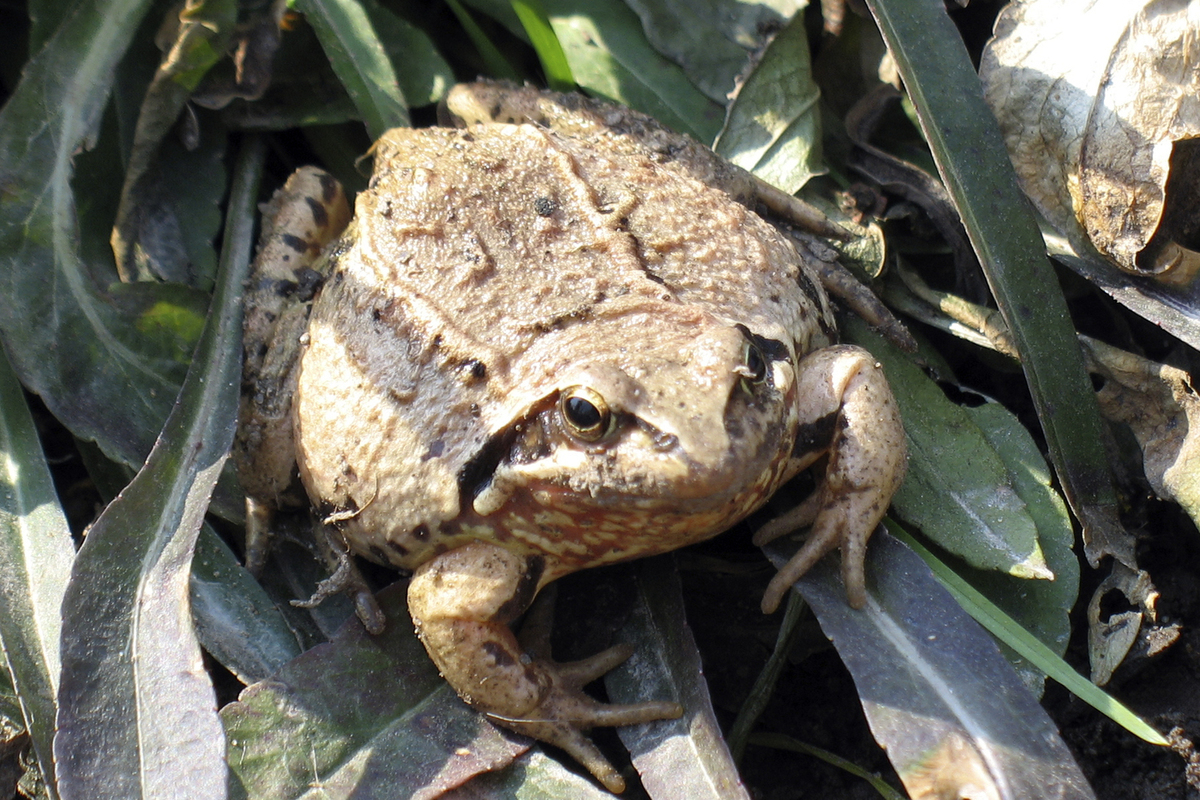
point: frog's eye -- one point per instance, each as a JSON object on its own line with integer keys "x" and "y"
{"x": 585, "y": 412}
{"x": 753, "y": 368}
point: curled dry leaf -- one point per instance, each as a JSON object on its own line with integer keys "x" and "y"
{"x": 1162, "y": 409}
{"x": 1099, "y": 101}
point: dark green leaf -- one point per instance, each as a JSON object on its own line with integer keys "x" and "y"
{"x": 360, "y": 61}
{"x": 119, "y": 358}
{"x": 137, "y": 714}
{"x": 974, "y": 164}
{"x": 957, "y": 490}
{"x": 36, "y": 552}
{"x": 712, "y": 40}
{"x": 533, "y": 776}
{"x": 423, "y": 74}
{"x": 941, "y": 699}
{"x": 147, "y": 235}
{"x": 363, "y": 716}
{"x": 1042, "y": 607}
{"x": 773, "y": 126}
{"x": 45, "y": 16}
{"x": 685, "y": 757}
{"x": 129, "y": 350}
{"x": 1007, "y": 631}
{"x": 610, "y": 57}
{"x": 179, "y": 214}
{"x": 236, "y": 621}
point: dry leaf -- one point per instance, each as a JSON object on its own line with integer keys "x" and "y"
{"x": 1098, "y": 100}
{"x": 1160, "y": 406}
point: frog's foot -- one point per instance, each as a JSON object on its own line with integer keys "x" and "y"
{"x": 344, "y": 576}
{"x": 564, "y": 711}
{"x": 851, "y": 418}
{"x": 839, "y": 524}
{"x": 462, "y": 602}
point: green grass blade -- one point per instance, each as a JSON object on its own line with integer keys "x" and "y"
{"x": 360, "y": 61}
{"x": 1006, "y": 629}
{"x": 554, "y": 61}
{"x": 498, "y": 65}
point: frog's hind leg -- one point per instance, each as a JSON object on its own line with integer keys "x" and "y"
{"x": 462, "y": 603}
{"x": 302, "y": 218}
{"x": 850, "y": 417}
{"x": 851, "y": 293}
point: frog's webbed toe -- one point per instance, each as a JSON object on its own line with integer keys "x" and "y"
{"x": 462, "y": 603}
{"x": 565, "y": 711}
{"x": 851, "y": 418}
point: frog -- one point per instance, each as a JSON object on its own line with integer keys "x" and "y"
{"x": 552, "y": 335}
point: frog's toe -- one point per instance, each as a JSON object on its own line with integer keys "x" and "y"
{"x": 837, "y": 526}
{"x": 565, "y": 712}
{"x": 583, "y": 672}
{"x": 578, "y": 746}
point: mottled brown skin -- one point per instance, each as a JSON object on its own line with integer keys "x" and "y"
{"x": 536, "y": 352}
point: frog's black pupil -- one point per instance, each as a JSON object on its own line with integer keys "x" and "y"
{"x": 755, "y": 363}
{"x": 582, "y": 414}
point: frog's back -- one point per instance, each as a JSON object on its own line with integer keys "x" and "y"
{"x": 514, "y": 230}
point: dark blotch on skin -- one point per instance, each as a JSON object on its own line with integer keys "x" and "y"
{"x": 525, "y": 592}
{"x": 808, "y": 288}
{"x": 772, "y": 349}
{"x": 421, "y": 533}
{"x": 398, "y": 548}
{"x": 435, "y": 450}
{"x": 295, "y": 242}
{"x": 303, "y": 289}
{"x": 329, "y": 187}
{"x": 478, "y": 471}
{"x": 545, "y": 206}
{"x": 319, "y": 215}
{"x": 830, "y": 332}
{"x": 309, "y": 281}
{"x": 499, "y": 655}
{"x": 379, "y": 554}
{"x": 815, "y": 436}
{"x": 476, "y": 370}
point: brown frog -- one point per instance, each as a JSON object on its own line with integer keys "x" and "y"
{"x": 557, "y": 337}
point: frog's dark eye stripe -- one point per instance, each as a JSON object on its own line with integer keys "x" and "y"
{"x": 585, "y": 412}
{"x": 477, "y": 473}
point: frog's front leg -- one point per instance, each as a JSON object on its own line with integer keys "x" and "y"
{"x": 847, "y": 413}
{"x": 462, "y": 603}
